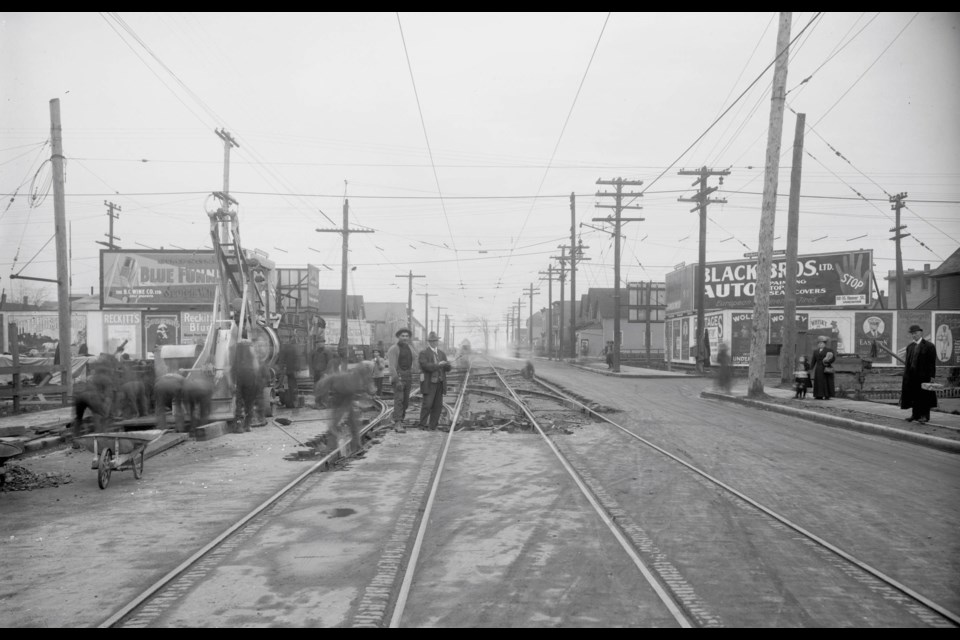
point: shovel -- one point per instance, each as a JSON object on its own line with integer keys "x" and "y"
{"x": 312, "y": 450}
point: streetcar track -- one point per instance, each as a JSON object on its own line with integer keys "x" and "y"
{"x": 925, "y": 609}
{"x": 159, "y": 597}
{"x": 383, "y": 599}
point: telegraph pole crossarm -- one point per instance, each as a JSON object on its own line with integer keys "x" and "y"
{"x": 345, "y": 232}
{"x": 617, "y": 221}
{"x": 112, "y": 207}
{"x": 702, "y": 199}
{"x": 410, "y": 278}
{"x": 898, "y": 204}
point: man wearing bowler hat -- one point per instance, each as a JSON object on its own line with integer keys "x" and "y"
{"x": 402, "y": 358}
{"x": 920, "y": 367}
{"x": 433, "y": 379}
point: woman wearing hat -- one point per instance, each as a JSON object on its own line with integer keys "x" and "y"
{"x": 823, "y": 360}
{"x": 920, "y": 367}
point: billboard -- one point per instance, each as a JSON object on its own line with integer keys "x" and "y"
{"x": 776, "y": 326}
{"x": 823, "y": 280}
{"x": 122, "y": 329}
{"x": 946, "y": 338}
{"x": 871, "y": 327}
{"x": 157, "y": 278}
{"x": 39, "y": 331}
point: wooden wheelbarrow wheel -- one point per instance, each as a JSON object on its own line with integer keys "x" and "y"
{"x": 104, "y": 469}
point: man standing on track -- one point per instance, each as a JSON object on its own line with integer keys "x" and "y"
{"x": 433, "y": 378}
{"x": 402, "y": 359}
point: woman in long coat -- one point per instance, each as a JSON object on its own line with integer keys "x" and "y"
{"x": 823, "y": 356}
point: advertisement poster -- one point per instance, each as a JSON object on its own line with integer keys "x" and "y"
{"x": 676, "y": 340}
{"x": 313, "y": 287}
{"x": 195, "y": 326}
{"x": 122, "y": 329}
{"x": 837, "y": 327}
{"x": 358, "y": 331}
{"x": 160, "y": 330}
{"x": 714, "y": 324}
{"x": 680, "y": 286}
{"x": 684, "y": 338}
{"x": 741, "y": 325}
{"x": 668, "y": 340}
{"x": 39, "y": 331}
{"x": 776, "y": 325}
{"x": 946, "y": 338}
{"x": 874, "y": 327}
{"x": 157, "y": 278}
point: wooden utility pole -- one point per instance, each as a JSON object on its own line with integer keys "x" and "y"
{"x": 438, "y": 322}
{"x": 228, "y": 143}
{"x": 788, "y": 340}
{"x": 618, "y": 207}
{"x": 761, "y": 310}
{"x": 63, "y": 266}
{"x": 898, "y": 204}
{"x": 531, "y": 291}
{"x": 345, "y": 269}
{"x": 426, "y": 314}
{"x": 517, "y": 334}
{"x": 111, "y": 244}
{"x": 702, "y": 201}
{"x": 574, "y": 256}
{"x": 410, "y": 278}
{"x": 549, "y": 274}
{"x": 563, "y": 274}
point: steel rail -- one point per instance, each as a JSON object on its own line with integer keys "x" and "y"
{"x": 404, "y": 592}
{"x": 627, "y": 546}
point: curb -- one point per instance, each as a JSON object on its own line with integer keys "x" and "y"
{"x": 612, "y": 374}
{"x": 951, "y": 446}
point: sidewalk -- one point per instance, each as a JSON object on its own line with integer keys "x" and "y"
{"x": 858, "y": 415}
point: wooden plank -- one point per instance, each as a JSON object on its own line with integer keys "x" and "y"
{"x": 27, "y": 392}
{"x": 32, "y": 368}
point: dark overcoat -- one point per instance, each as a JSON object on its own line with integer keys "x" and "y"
{"x": 823, "y": 382}
{"x": 921, "y": 367}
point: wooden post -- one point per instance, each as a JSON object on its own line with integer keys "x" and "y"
{"x": 15, "y": 354}
{"x": 789, "y": 330}
{"x": 761, "y": 313}
{"x": 63, "y": 264}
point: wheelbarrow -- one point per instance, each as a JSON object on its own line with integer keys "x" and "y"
{"x": 7, "y": 450}
{"x": 118, "y": 451}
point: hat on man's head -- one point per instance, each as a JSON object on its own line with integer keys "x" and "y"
{"x": 873, "y": 320}
{"x": 433, "y": 336}
{"x": 915, "y": 327}
{"x": 403, "y": 330}
{"x": 823, "y": 339}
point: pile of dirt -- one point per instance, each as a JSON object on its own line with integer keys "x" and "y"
{"x": 19, "y": 478}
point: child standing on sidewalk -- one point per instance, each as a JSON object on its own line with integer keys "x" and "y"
{"x": 802, "y": 377}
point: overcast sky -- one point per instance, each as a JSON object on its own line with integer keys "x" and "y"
{"x": 458, "y": 139}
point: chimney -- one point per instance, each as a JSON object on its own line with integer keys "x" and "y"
{"x": 25, "y": 298}
{"x": 926, "y": 267}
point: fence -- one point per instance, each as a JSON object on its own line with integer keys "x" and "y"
{"x": 20, "y": 391}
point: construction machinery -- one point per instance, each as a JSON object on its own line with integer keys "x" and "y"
{"x": 241, "y": 313}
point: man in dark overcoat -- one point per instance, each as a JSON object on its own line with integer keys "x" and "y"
{"x": 433, "y": 379}
{"x": 920, "y": 367}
